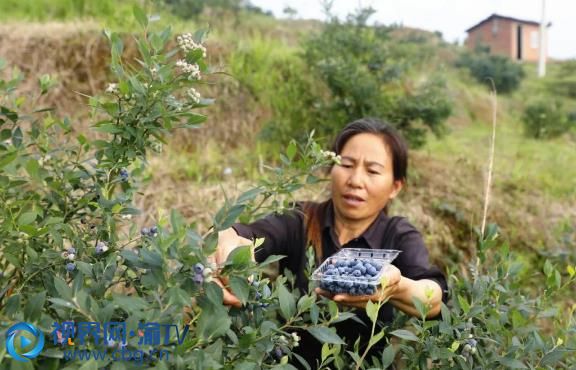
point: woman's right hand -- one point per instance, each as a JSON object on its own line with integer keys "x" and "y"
{"x": 228, "y": 240}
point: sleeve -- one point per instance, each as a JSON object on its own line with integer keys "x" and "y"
{"x": 414, "y": 262}
{"x": 278, "y": 230}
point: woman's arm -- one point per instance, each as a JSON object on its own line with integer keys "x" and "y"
{"x": 399, "y": 291}
{"x": 427, "y": 291}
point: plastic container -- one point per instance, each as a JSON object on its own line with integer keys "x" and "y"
{"x": 354, "y": 271}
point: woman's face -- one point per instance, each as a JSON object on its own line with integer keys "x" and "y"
{"x": 364, "y": 182}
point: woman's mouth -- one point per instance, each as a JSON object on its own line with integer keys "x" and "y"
{"x": 352, "y": 200}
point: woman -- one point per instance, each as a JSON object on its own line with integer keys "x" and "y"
{"x": 372, "y": 171}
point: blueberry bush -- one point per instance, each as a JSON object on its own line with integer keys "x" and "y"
{"x": 71, "y": 252}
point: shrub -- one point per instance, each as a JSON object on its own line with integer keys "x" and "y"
{"x": 545, "y": 119}
{"x": 485, "y": 68}
{"x": 369, "y": 73}
{"x": 70, "y": 254}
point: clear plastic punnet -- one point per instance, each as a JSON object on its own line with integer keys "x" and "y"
{"x": 354, "y": 271}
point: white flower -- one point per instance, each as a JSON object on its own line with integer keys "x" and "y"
{"x": 126, "y": 217}
{"x": 194, "y": 95}
{"x": 186, "y": 43}
{"x": 227, "y": 171}
{"x": 71, "y": 256}
{"x": 112, "y": 88}
{"x": 192, "y": 70}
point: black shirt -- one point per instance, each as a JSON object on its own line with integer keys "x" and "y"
{"x": 285, "y": 234}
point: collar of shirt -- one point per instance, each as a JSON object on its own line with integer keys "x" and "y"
{"x": 373, "y": 236}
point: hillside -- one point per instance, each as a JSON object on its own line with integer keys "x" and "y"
{"x": 534, "y": 201}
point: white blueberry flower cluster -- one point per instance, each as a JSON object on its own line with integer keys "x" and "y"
{"x": 175, "y": 103}
{"x": 44, "y": 160}
{"x": 112, "y": 88}
{"x": 193, "y": 94}
{"x": 192, "y": 70}
{"x": 327, "y": 154}
{"x": 187, "y": 43}
{"x": 294, "y": 340}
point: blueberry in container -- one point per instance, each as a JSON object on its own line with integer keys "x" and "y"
{"x": 354, "y": 271}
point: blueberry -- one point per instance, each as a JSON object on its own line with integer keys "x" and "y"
{"x": 124, "y": 174}
{"x": 198, "y": 268}
{"x": 357, "y": 273}
{"x": 145, "y": 231}
{"x": 154, "y": 230}
{"x": 70, "y": 267}
{"x": 71, "y": 250}
{"x": 278, "y": 353}
{"x": 372, "y": 271}
{"x": 330, "y": 267}
{"x": 198, "y": 278}
{"x": 258, "y": 296}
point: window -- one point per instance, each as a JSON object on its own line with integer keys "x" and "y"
{"x": 494, "y": 26}
{"x": 534, "y": 39}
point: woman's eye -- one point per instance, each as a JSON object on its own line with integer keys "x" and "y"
{"x": 346, "y": 165}
{"x": 373, "y": 172}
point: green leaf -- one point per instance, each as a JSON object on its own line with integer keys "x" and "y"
{"x": 130, "y": 304}
{"x": 62, "y": 288}
{"x": 548, "y": 269}
{"x": 404, "y": 334}
{"x": 17, "y": 137}
{"x": 140, "y": 16}
{"x": 420, "y": 307}
{"x": 512, "y": 363}
{"x": 291, "y": 150}
{"x": 372, "y": 311}
{"x": 27, "y": 218}
{"x": 90, "y": 365}
{"x": 325, "y": 335}
{"x": 463, "y": 304}
{"x": 551, "y": 358}
{"x": 7, "y": 159}
{"x": 34, "y": 307}
{"x": 61, "y": 302}
{"x": 249, "y": 195}
{"x": 287, "y": 302}
{"x": 388, "y": 356}
{"x": 240, "y": 288}
{"x": 305, "y": 302}
{"x": 240, "y": 257}
{"x": 271, "y": 259}
{"x": 376, "y": 338}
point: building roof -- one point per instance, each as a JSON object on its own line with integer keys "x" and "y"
{"x": 493, "y": 16}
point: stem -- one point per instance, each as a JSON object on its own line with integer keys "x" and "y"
{"x": 380, "y": 303}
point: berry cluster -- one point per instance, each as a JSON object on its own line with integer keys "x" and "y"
{"x": 470, "y": 347}
{"x": 202, "y": 274}
{"x": 69, "y": 254}
{"x": 355, "y": 276}
{"x": 124, "y": 174}
{"x": 101, "y": 247}
{"x": 153, "y": 231}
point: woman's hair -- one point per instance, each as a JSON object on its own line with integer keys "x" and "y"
{"x": 315, "y": 213}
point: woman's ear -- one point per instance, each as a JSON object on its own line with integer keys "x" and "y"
{"x": 397, "y": 186}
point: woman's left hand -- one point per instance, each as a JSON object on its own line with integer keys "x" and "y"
{"x": 391, "y": 275}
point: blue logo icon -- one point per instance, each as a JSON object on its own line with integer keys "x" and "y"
{"x": 18, "y": 330}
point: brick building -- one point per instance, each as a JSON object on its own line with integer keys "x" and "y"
{"x": 515, "y": 38}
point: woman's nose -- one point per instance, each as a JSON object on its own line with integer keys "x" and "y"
{"x": 355, "y": 179}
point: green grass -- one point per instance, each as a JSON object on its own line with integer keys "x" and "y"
{"x": 544, "y": 167}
